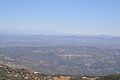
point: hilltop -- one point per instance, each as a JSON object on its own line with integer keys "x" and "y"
{"x": 8, "y": 73}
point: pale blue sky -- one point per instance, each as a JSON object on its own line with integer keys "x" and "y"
{"x": 93, "y": 17}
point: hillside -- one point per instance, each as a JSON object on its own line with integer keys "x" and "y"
{"x": 7, "y": 73}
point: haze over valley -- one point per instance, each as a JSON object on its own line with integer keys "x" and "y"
{"x": 71, "y": 55}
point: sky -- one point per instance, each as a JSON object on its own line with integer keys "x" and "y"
{"x": 91, "y": 17}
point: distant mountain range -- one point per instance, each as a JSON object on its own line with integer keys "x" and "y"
{"x": 71, "y": 55}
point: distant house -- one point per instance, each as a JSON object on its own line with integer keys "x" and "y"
{"x": 90, "y": 78}
{"x": 85, "y": 77}
{"x": 36, "y": 72}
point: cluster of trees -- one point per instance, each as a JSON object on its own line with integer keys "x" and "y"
{"x": 110, "y": 77}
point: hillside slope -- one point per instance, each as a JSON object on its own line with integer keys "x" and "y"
{"x": 7, "y": 73}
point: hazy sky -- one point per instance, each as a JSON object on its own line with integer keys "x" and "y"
{"x": 93, "y": 17}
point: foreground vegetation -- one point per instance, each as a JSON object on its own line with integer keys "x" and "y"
{"x": 7, "y": 73}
